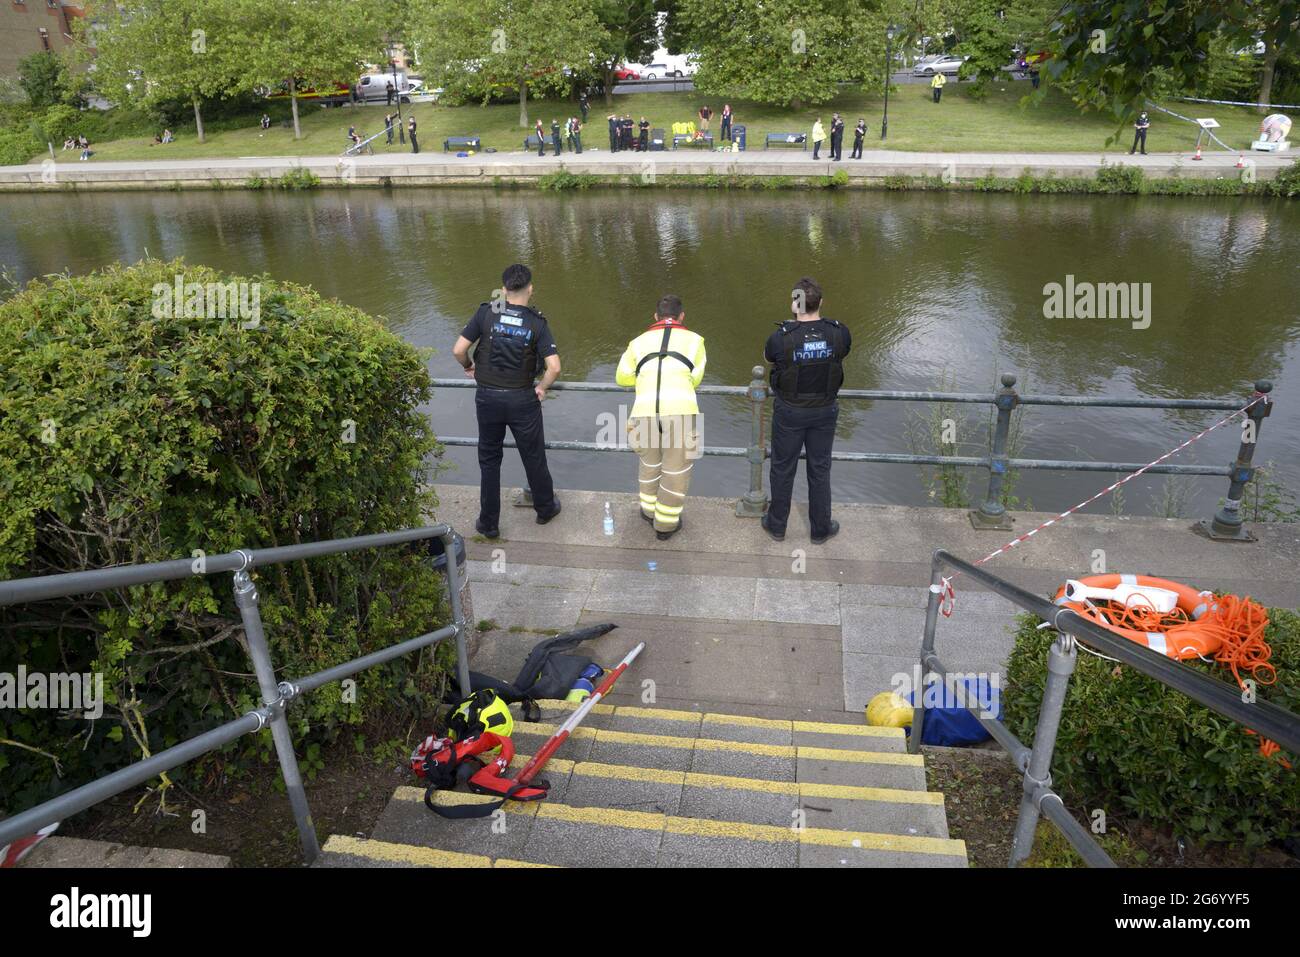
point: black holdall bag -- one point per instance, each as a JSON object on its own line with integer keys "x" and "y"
{"x": 547, "y": 672}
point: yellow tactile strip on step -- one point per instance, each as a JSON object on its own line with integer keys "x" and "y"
{"x": 621, "y": 772}
{"x": 737, "y": 830}
{"x": 411, "y": 854}
{"x": 738, "y": 720}
{"x": 605, "y": 736}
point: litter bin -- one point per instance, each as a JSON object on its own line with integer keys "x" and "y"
{"x": 738, "y": 136}
{"x": 438, "y": 557}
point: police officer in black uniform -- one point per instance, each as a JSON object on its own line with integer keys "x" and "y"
{"x": 807, "y": 355}
{"x": 514, "y": 346}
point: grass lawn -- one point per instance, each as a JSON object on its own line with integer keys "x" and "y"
{"x": 998, "y": 123}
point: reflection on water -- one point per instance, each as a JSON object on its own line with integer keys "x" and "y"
{"x": 936, "y": 288}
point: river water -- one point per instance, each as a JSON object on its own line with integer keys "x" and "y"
{"x": 939, "y": 290}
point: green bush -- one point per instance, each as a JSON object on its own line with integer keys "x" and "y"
{"x": 129, "y": 436}
{"x": 1134, "y": 747}
{"x": 563, "y": 179}
{"x": 299, "y": 178}
{"x": 17, "y": 146}
{"x": 1118, "y": 178}
{"x": 61, "y": 121}
{"x": 1287, "y": 182}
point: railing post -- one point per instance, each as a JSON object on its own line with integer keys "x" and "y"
{"x": 273, "y": 696}
{"x": 753, "y": 504}
{"x": 1226, "y": 525}
{"x": 1061, "y": 659}
{"x": 457, "y": 612}
{"x": 993, "y": 514}
{"x": 927, "y": 652}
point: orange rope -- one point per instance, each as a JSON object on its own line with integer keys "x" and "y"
{"x": 1238, "y": 623}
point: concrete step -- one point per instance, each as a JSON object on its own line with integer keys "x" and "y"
{"x": 771, "y": 762}
{"x": 562, "y": 834}
{"x": 730, "y": 727}
{"x": 344, "y": 851}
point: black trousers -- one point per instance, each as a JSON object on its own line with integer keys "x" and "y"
{"x": 938, "y": 92}
{"x": 1139, "y": 136}
{"x": 555, "y": 141}
{"x": 726, "y": 128}
{"x": 817, "y": 145}
{"x": 521, "y": 412}
{"x": 837, "y": 145}
{"x": 857, "y": 147}
{"x": 415, "y": 144}
{"x": 796, "y": 430}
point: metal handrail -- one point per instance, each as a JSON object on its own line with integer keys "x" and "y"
{"x": 276, "y": 695}
{"x": 991, "y": 513}
{"x": 1263, "y": 717}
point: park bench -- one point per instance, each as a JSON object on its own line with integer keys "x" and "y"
{"x": 690, "y": 139}
{"x": 461, "y": 143}
{"x": 786, "y": 139}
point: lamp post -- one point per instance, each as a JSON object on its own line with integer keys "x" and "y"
{"x": 890, "y": 31}
{"x": 401, "y": 128}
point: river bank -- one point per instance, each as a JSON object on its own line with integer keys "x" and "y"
{"x": 1115, "y": 172}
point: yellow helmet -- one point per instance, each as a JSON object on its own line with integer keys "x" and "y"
{"x": 889, "y": 710}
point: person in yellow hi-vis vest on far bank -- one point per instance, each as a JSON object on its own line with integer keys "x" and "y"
{"x": 665, "y": 363}
{"x": 937, "y": 85}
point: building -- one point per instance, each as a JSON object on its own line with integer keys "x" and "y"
{"x": 30, "y": 26}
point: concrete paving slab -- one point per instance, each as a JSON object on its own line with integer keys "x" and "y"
{"x": 743, "y": 764}
{"x": 819, "y": 856}
{"x": 676, "y": 596}
{"x": 570, "y": 844}
{"x": 882, "y": 817}
{"x": 722, "y": 727}
{"x": 532, "y": 607}
{"x": 693, "y": 850}
{"x": 821, "y": 771}
{"x": 733, "y": 804}
{"x": 80, "y": 853}
{"x": 644, "y": 794}
{"x": 520, "y": 573}
{"x": 805, "y": 602}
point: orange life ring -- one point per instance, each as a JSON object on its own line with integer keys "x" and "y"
{"x": 1197, "y": 637}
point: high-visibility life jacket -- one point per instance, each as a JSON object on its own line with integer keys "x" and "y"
{"x": 665, "y": 363}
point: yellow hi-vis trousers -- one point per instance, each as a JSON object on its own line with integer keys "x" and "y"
{"x": 667, "y": 446}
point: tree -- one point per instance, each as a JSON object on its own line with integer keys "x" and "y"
{"x": 42, "y": 78}
{"x": 784, "y": 52}
{"x": 1115, "y": 55}
{"x": 309, "y": 43}
{"x": 150, "y": 51}
{"x": 491, "y": 45}
{"x": 631, "y": 35}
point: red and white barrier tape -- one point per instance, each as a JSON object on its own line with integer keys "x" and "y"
{"x": 948, "y": 596}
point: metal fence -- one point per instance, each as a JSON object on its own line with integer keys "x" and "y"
{"x": 1269, "y": 720}
{"x": 276, "y": 695}
{"x": 991, "y": 514}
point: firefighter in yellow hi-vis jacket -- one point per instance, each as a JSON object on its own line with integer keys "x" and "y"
{"x": 665, "y": 363}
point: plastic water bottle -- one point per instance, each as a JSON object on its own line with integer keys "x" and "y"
{"x": 609, "y": 520}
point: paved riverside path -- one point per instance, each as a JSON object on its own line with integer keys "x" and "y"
{"x": 434, "y": 167}
{"x": 731, "y": 624}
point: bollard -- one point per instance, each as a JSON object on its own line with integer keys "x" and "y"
{"x": 1038, "y": 770}
{"x": 1226, "y": 525}
{"x": 993, "y": 514}
{"x": 274, "y": 697}
{"x": 754, "y": 502}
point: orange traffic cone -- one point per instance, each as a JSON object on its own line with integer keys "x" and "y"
{"x": 1198, "y": 152}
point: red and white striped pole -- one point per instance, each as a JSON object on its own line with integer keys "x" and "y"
{"x": 546, "y": 751}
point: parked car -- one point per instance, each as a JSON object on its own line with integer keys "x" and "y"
{"x": 626, "y": 73}
{"x": 948, "y": 64}
{"x": 655, "y": 71}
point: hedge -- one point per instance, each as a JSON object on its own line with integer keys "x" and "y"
{"x": 1137, "y": 749}
{"x": 129, "y": 436}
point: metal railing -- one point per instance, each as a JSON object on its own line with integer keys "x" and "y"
{"x": 276, "y": 695}
{"x": 1263, "y": 717}
{"x": 1226, "y": 524}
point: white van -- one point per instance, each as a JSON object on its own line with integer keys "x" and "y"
{"x": 373, "y": 87}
